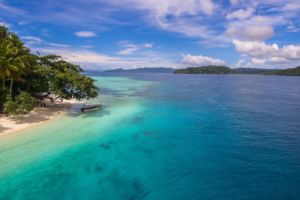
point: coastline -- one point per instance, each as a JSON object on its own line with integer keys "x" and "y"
{"x": 12, "y": 125}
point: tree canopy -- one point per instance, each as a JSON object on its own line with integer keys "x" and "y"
{"x": 23, "y": 75}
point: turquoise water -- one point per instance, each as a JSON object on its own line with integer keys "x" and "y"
{"x": 165, "y": 137}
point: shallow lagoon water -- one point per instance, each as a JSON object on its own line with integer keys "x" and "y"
{"x": 164, "y": 136}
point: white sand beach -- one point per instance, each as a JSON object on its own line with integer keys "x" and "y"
{"x": 9, "y": 125}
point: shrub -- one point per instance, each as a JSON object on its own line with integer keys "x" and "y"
{"x": 23, "y": 104}
{"x": 10, "y": 106}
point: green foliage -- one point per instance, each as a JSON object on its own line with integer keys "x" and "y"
{"x": 64, "y": 79}
{"x": 211, "y": 69}
{"x": 23, "y": 104}
{"x": 22, "y": 71}
{"x": 289, "y": 72}
{"x": 15, "y": 58}
{"x": 10, "y": 106}
{"x": 26, "y": 103}
{"x": 3, "y": 95}
{"x": 227, "y": 70}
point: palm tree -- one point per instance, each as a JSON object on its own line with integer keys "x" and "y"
{"x": 15, "y": 59}
{"x": 3, "y": 35}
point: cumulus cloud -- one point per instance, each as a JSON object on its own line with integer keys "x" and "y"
{"x": 201, "y": 60}
{"x": 256, "y": 27}
{"x": 85, "y": 34}
{"x": 260, "y": 33}
{"x": 247, "y": 24}
{"x": 241, "y": 14}
{"x": 261, "y": 53}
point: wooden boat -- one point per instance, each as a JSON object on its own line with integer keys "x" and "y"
{"x": 90, "y": 107}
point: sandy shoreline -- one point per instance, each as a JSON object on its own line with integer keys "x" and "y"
{"x": 10, "y": 125}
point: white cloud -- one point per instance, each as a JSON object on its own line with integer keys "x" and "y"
{"x": 257, "y": 61}
{"x": 148, "y": 45}
{"x": 86, "y": 34}
{"x": 4, "y": 24}
{"x": 254, "y": 28}
{"x": 86, "y": 46}
{"x": 4, "y": 6}
{"x": 130, "y": 48}
{"x": 195, "y": 18}
{"x": 253, "y": 23}
{"x": 91, "y": 60}
{"x": 240, "y": 63}
{"x": 186, "y": 17}
{"x": 260, "y": 53}
{"x": 160, "y": 8}
{"x": 128, "y": 51}
{"x": 241, "y": 14}
{"x": 292, "y": 6}
{"x": 292, "y": 28}
{"x": 250, "y": 32}
{"x": 201, "y": 60}
{"x": 207, "y": 6}
{"x": 32, "y": 39}
{"x": 210, "y": 21}
{"x": 57, "y": 45}
{"x": 23, "y": 23}
{"x": 234, "y": 2}
{"x": 255, "y": 48}
{"x": 80, "y": 56}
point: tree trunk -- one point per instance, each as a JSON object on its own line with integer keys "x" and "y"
{"x": 11, "y": 85}
{"x": 3, "y": 83}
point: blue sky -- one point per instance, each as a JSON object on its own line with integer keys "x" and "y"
{"x": 104, "y": 34}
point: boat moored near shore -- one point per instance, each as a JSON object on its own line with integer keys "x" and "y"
{"x": 90, "y": 107}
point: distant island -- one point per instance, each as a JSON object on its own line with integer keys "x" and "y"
{"x": 211, "y": 69}
{"x": 142, "y": 70}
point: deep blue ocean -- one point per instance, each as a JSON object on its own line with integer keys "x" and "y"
{"x": 166, "y": 136}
